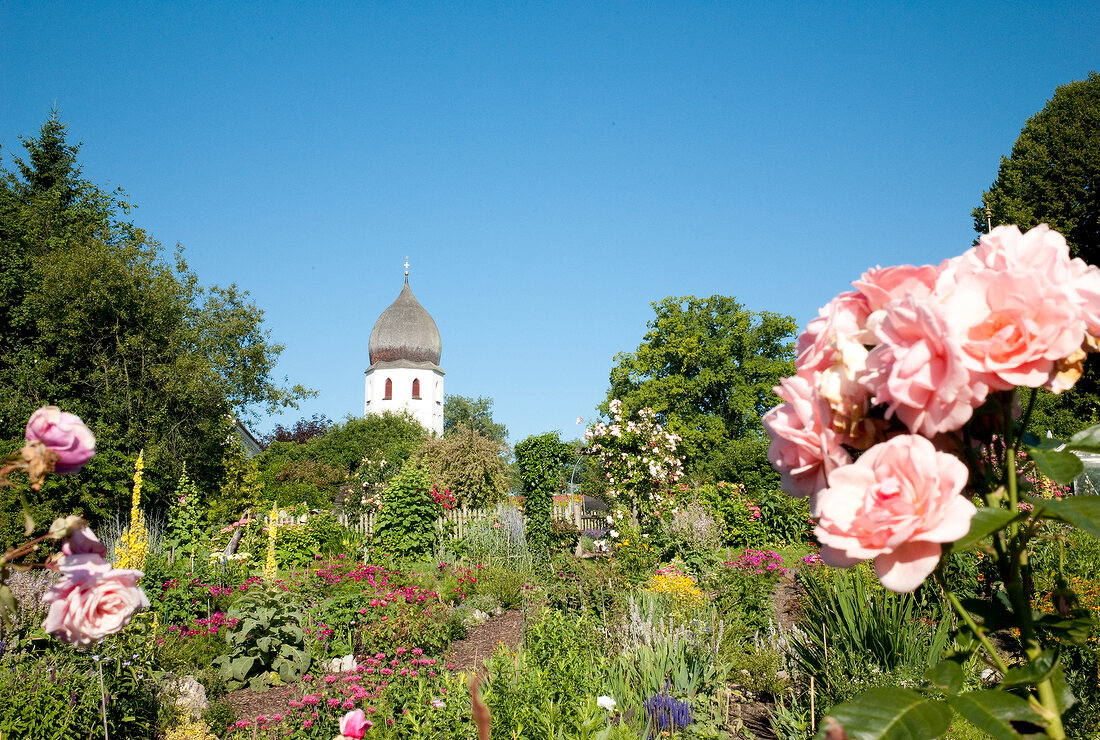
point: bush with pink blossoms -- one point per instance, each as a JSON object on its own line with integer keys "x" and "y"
{"x": 903, "y": 429}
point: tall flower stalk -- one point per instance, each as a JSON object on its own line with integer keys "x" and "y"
{"x": 133, "y": 545}
{"x": 271, "y": 568}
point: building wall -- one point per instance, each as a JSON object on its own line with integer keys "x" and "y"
{"x": 428, "y": 409}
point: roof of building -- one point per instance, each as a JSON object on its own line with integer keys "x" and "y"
{"x": 405, "y": 332}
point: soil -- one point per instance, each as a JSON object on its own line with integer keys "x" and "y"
{"x": 469, "y": 653}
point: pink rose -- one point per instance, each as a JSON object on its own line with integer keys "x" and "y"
{"x": 919, "y": 370}
{"x": 1013, "y": 327}
{"x": 83, "y": 542}
{"x": 881, "y": 285}
{"x": 92, "y": 599}
{"x": 845, "y": 316}
{"x": 1041, "y": 252}
{"x": 803, "y": 448}
{"x": 353, "y": 724}
{"x": 65, "y": 434}
{"x": 897, "y": 504}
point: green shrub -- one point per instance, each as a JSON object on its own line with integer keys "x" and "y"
{"x": 405, "y": 527}
{"x": 563, "y": 536}
{"x": 266, "y": 645}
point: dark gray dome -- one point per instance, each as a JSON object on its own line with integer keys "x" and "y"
{"x": 405, "y": 331}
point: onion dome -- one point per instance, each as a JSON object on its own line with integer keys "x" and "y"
{"x": 405, "y": 334}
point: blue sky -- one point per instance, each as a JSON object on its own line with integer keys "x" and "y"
{"x": 550, "y": 169}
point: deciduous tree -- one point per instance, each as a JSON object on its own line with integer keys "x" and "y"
{"x": 707, "y": 367}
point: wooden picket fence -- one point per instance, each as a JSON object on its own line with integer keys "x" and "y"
{"x": 459, "y": 519}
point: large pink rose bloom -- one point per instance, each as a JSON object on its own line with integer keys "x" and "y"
{"x": 65, "y": 434}
{"x": 354, "y": 724}
{"x": 1013, "y": 327}
{"x": 803, "y": 448}
{"x": 919, "y": 370}
{"x": 92, "y": 599}
{"x": 897, "y": 504}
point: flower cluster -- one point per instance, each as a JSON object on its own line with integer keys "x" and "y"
{"x": 908, "y": 357}
{"x": 760, "y": 561}
{"x": 638, "y": 458}
{"x": 444, "y": 499}
{"x": 679, "y": 587}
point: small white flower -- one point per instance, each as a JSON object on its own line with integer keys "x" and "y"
{"x": 610, "y": 520}
{"x": 606, "y": 702}
{"x": 613, "y": 534}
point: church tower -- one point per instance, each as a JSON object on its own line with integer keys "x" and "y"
{"x": 404, "y": 372}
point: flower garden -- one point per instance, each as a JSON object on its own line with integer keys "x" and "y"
{"x": 932, "y": 573}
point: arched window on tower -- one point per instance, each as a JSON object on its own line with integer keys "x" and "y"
{"x": 416, "y": 388}
{"x": 389, "y": 390}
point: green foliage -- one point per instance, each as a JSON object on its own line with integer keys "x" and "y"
{"x": 267, "y": 644}
{"x": 241, "y": 488}
{"x": 298, "y": 545}
{"x": 476, "y": 414}
{"x": 540, "y": 461}
{"x": 762, "y": 517}
{"x": 62, "y": 686}
{"x": 405, "y": 525}
{"x": 468, "y": 463}
{"x": 542, "y": 690}
{"x": 707, "y": 368}
{"x": 857, "y": 634}
{"x": 184, "y": 530}
{"x": 93, "y": 318}
{"x": 316, "y": 469}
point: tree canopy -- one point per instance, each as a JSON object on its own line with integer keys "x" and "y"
{"x": 707, "y": 367}
{"x": 1052, "y": 176}
{"x": 95, "y": 319}
{"x": 467, "y": 463}
{"x": 476, "y": 414}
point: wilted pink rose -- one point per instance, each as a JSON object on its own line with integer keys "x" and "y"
{"x": 92, "y": 599}
{"x": 919, "y": 370}
{"x": 65, "y": 434}
{"x": 353, "y": 724}
{"x": 898, "y": 503}
{"x": 83, "y": 542}
{"x": 803, "y": 448}
{"x": 846, "y": 317}
{"x": 1013, "y": 327}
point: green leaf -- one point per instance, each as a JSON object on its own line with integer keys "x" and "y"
{"x": 891, "y": 714}
{"x": 1082, "y": 512}
{"x": 993, "y": 712}
{"x": 1060, "y": 466}
{"x": 1086, "y": 440}
{"x": 947, "y": 675}
{"x": 985, "y": 522}
{"x": 1033, "y": 673}
{"x": 1062, "y": 693}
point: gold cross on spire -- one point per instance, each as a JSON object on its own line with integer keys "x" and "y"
{"x": 406, "y": 265}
